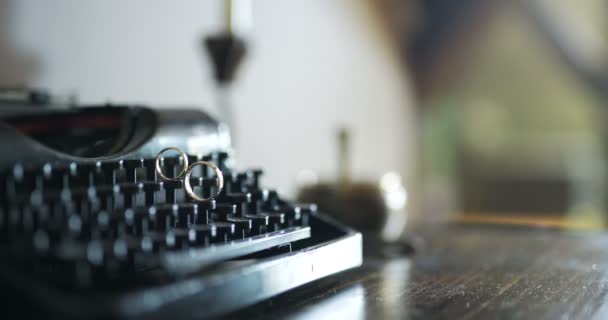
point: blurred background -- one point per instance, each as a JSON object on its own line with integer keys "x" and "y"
{"x": 396, "y": 112}
{"x": 512, "y": 110}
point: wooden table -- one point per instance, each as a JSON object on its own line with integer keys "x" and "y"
{"x": 464, "y": 271}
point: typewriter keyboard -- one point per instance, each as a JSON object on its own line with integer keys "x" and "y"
{"x": 105, "y": 224}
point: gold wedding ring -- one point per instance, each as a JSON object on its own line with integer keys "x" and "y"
{"x": 184, "y": 169}
{"x": 219, "y": 180}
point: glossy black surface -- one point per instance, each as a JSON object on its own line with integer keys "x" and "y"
{"x": 58, "y": 133}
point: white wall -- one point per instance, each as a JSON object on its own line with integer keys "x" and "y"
{"x": 313, "y": 65}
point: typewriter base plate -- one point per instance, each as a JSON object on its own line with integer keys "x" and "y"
{"x": 226, "y": 287}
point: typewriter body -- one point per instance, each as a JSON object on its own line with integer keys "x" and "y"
{"x": 89, "y": 229}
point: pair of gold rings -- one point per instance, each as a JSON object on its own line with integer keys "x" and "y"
{"x": 186, "y": 173}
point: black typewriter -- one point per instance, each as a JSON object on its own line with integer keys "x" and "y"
{"x": 88, "y": 229}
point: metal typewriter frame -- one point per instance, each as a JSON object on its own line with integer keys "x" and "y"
{"x": 224, "y": 288}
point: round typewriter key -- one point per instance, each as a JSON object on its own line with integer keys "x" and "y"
{"x": 219, "y": 180}
{"x": 184, "y": 157}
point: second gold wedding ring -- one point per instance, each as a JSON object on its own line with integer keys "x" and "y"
{"x": 219, "y": 180}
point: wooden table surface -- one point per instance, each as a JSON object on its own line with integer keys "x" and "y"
{"x": 463, "y": 271}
